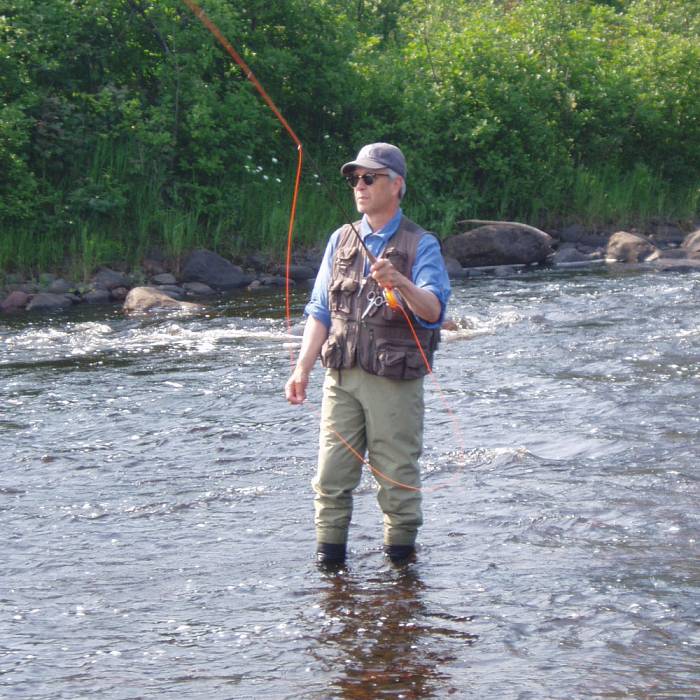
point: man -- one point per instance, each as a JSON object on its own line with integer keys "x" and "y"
{"x": 373, "y": 389}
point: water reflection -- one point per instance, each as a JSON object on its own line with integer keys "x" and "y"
{"x": 379, "y": 638}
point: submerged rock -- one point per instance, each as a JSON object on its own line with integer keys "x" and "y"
{"x": 142, "y": 300}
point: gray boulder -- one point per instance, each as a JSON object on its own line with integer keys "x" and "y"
{"x": 198, "y": 289}
{"x": 576, "y": 233}
{"x": 629, "y": 247}
{"x": 45, "y": 301}
{"x": 298, "y": 273}
{"x": 569, "y": 254}
{"x": 15, "y": 301}
{"x": 119, "y": 293}
{"x": 142, "y": 300}
{"x": 500, "y": 243}
{"x": 109, "y": 279}
{"x": 164, "y": 278}
{"x": 454, "y": 269}
{"x": 60, "y": 286}
{"x": 98, "y": 296}
{"x": 665, "y": 233}
{"x": 211, "y": 269}
{"x": 172, "y": 290}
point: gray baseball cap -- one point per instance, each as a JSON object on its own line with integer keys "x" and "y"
{"x": 377, "y": 155}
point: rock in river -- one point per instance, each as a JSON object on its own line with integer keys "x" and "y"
{"x": 141, "y": 300}
{"x": 500, "y": 244}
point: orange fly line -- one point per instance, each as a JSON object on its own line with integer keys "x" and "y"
{"x": 201, "y": 15}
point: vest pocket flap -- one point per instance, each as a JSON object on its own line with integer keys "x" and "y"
{"x": 398, "y": 357}
{"x": 414, "y": 360}
{"x": 344, "y": 259}
{"x": 332, "y": 352}
{"x": 349, "y": 285}
{"x": 391, "y": 357}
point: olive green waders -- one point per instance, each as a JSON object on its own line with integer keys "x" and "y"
{"x": 384, "y": 418}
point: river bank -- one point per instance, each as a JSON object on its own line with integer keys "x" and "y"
{"x": 489, "y": 248}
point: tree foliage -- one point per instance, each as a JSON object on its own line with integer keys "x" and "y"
{"x": 125, "y": 119}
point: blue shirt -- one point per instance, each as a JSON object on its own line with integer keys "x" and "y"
{"x": 428, "y": 269}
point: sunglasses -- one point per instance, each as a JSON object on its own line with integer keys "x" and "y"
{"x": 367, "y": 178}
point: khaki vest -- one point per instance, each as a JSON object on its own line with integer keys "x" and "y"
{"x": 381, "y": 342}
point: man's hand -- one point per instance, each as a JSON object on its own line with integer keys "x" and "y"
{"x": 386, "y": 274}
{"x": 422, "y": 302}
{"x": 295, "y": 388}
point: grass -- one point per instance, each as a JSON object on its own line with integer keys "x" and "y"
{"x": 121, "y": 212}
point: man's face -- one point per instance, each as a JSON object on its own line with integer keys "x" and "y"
{"x": 381, "y": 197}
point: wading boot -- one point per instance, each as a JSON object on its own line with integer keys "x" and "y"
{"x": 400, "y": 553}
{"x": 330, "y": 555}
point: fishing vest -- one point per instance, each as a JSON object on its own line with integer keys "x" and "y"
{"x": 381, "y": 342}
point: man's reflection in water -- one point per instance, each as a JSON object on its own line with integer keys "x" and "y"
{"x": 383, "y": 641}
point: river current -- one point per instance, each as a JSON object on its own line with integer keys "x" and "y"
{"x": 156, "y": 507}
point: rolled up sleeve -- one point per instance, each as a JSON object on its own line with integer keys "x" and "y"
{"x": 429, "y": 272}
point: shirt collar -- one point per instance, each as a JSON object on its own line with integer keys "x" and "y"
{"x": 386, "y": 231}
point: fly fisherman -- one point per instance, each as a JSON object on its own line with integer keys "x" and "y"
{"x": 373, "y": 388}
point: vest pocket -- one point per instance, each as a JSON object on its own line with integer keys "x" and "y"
{"x": 332, "y": 352}
{"x": 394, "y": 359}
{"x": 341, "y": 294}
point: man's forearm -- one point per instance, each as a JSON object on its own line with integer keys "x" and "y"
{"x": 422, "y": 302}
{"x": 315, "y": 334}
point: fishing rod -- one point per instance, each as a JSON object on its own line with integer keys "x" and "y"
{"x": 389, "y": 293}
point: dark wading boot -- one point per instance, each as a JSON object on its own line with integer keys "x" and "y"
{"x": 330, "y": 555}
{"x": 400, "y": 553}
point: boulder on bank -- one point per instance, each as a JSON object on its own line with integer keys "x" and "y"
{"x": 60, "y": 286}
{"x": 691, "y": 245}
{"x": 97, "y": 296}
{"x": 45, "y": 301}
{"x": 454, "y": 269}
{"x": 198, "y": 289}
{"x": 629, "y": 247}
{"x": 108, "y": 279}
{"x": 665, "y": 233}
{"x": 141, "y": 300}
{"x": 16, "y": 301}
{"x": 582, "y": 236}
{"x": 298, "y": 273}
{"x": 213, "y": 270}
{"x": 164, "y": 278}
{"x": 500, "y": 243}
{"x": 568, "y": 254}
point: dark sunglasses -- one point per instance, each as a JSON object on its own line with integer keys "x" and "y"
{"x": 367, "y": 178}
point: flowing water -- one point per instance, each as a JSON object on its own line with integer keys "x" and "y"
{"x": 156, "y": 507}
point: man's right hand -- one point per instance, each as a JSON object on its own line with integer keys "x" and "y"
{"x": 295, "y": 388}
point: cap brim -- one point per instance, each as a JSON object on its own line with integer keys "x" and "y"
{"x": 364, "y": 163}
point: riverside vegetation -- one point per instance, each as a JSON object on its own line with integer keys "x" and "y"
{"x": 124, "y": 128}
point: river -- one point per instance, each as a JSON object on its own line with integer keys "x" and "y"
{"x": 156, "y": 506}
